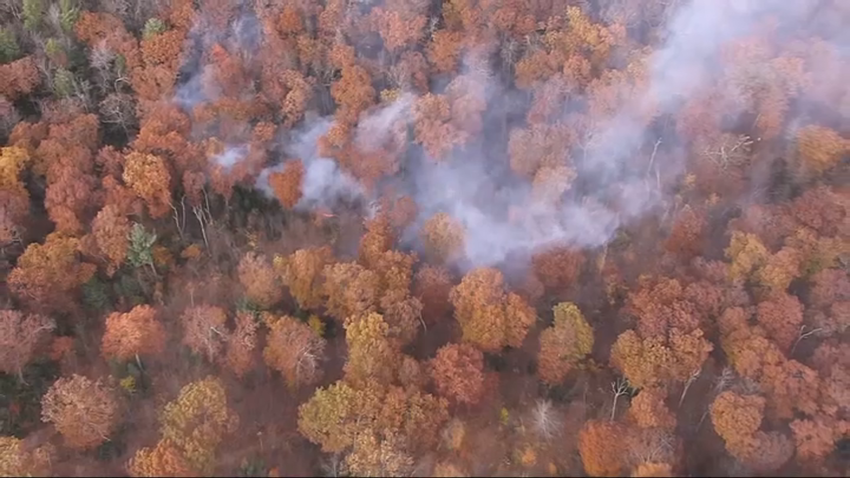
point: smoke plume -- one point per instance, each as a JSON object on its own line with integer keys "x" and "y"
{"x": 476, "y": 188}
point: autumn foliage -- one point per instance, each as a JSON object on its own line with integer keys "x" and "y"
{"x": 458, "y": 373}
{"x": 84, "y": 411}
{"x": 401, "y": 237}
{"x": 196, "y": 422}
{"x": 137, "y": 332}
{"x": 564, "y": 344}
{"x": 20, "y": 335}
{"x": 489, "y": 317}
{"x": 295, "y": 350}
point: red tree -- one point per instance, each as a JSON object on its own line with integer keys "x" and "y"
{"x": 458, "y": 373}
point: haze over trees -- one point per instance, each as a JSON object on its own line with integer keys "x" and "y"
{"x": 402, "y": 237}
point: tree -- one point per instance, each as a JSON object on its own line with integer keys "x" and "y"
{"x": 332, "y": 416}
{"x": 647, "y": 362}
{"x": 820, "y": 148}
{"x": 490, "y": 318}
{"x": 286, "y": 183}
{"x": 241, "y": 344}
{"x": 162, "y": 460}
{"x": 372, "y": 358}
{"x": 433, "y": 126}
{"x": 301, "y": 272}
{"x": 648, "y": 410}
{"x": 19, "y": 78}
{"x": 351, "y": 290}
{"x": 815, "y": 438}
{"x": 443, "y": 237}
{"x": 774, "y": 450}
{"x": 135, "y": 333}
{"x": 564, "y": 344}
{"x": 686, "y": 234}
{"x": 18, "y": 459}
{"x": 295, "y": 350}
{"x": 431, "y": 285}
{"x": 649, "y": 470}
{"x": 259, "y": 280}
{"x": 46, "y": 275}
{"x": 458, "y": 373}
{"x": 374, "y": 456}
{"x": 737, "y": 418}
{"x": 401, "y": 312}
{"x": 780, "y": 269}
{"x": 558, "y": 268}
{"x": 111, "y": 231}
{"x": 20, "y": 335}
{"x": 204, "y": 330}
{"x": 781, "y": 316}
{"x": 148, "y": 176}
{"x": 377, "y": 240}
{"x": 602, "y": 448}
{"x": 444, "y": 50}
{"x": 747, "y": 254}
{"x": 400, "y": 24}
{"x": 197, "y": 421}
{"x": 85, "y": 412}
{"x": 14, "y": 197}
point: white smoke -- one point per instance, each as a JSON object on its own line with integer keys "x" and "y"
{"x": 324, "y": 182}
{"x": 501, "y": 216}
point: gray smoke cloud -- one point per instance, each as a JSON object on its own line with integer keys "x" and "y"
{"x": 686, "y": 63}
{"x": 324, "y": 183}
{"x": 476, "y": 188}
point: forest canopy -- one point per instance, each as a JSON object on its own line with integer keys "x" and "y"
{"x": 430, "y": 238}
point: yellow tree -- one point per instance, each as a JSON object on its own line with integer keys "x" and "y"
{"x": 14, "y": 197}
{"x": 197, "y": 421}
{"x": 820, "y": 148}
{"x": 148, "y": 176}
{"x": 564, "y": 344}
{"x": 18, "y": 459}
{"x": 301, "y": 272}
{"x": 443, "y": 237}
{"x": 489, "y": 317}
{"x": 371, "y": 355}
{"x": 333, "y": 415}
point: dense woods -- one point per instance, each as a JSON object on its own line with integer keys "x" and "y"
{"x": 424, "y": 238}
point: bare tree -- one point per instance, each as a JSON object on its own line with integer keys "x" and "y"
{"x": 546, "y": 420}
{"x": 619, "y": 387}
